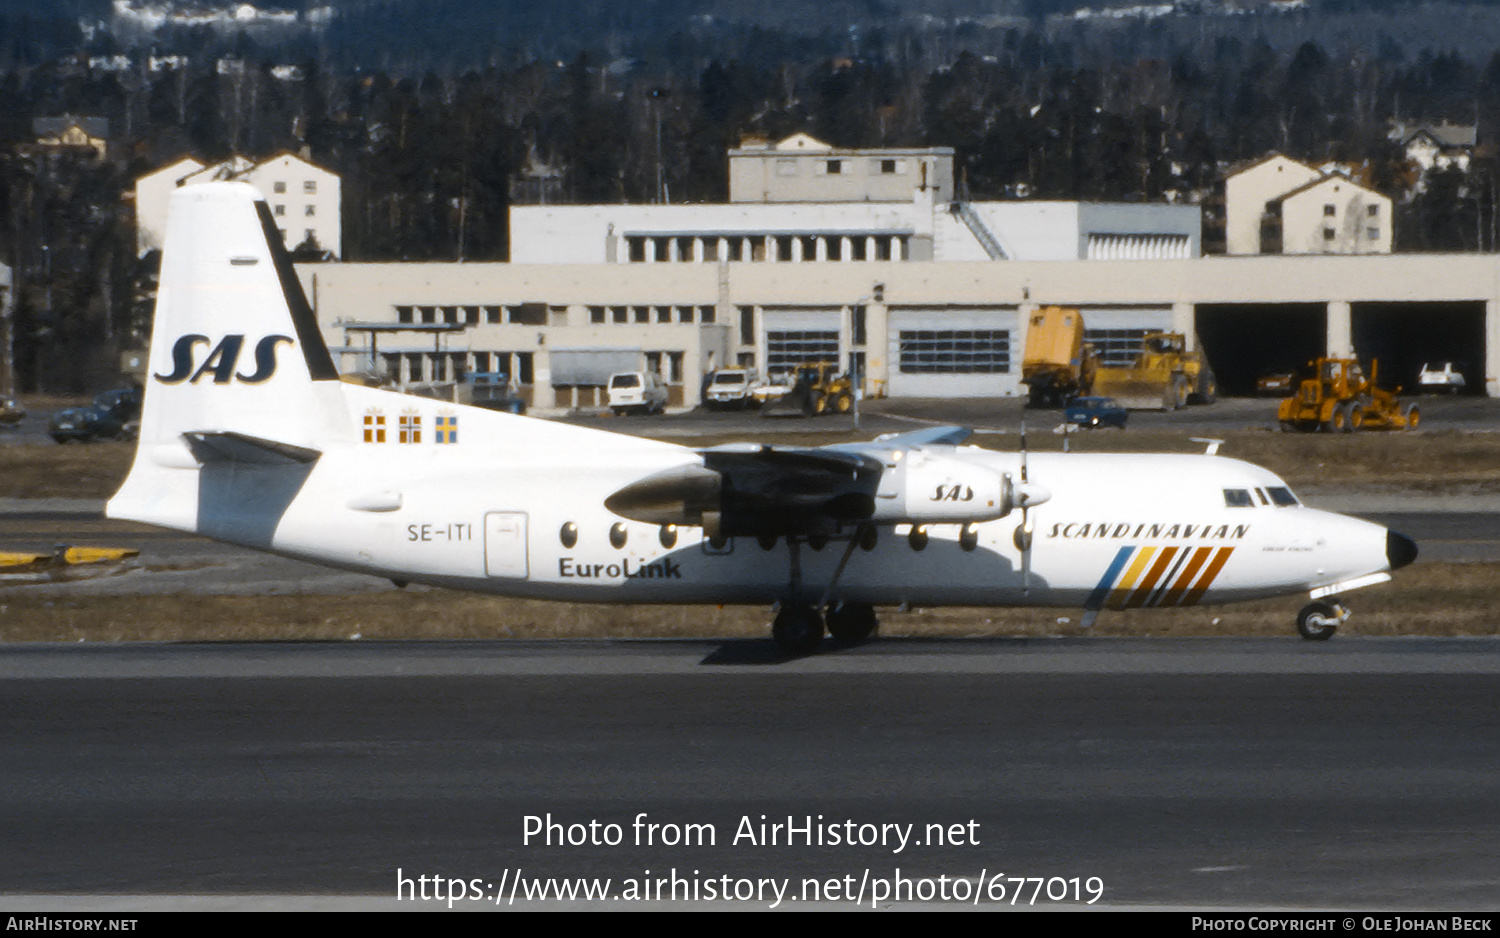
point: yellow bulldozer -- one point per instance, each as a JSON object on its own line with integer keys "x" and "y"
{"x": 1160, "y": 374}
{"x": 817, "y": 388}
{"x": 1338, "y": 398}
{"x": 1163, "y": 375}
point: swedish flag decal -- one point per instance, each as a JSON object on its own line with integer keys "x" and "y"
{"x": 445, "y": 428}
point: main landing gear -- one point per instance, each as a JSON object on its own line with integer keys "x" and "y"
{"x": 1318, "y": 621}
{"x": 798, "y": 629}
{"x": 799, "y": 625}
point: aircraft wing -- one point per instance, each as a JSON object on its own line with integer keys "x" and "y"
{"x": 757, "y": 490}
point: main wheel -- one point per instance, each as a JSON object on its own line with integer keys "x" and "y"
{"x": 1412, "y": 415}
{"x": 852, "y": 622}
{"x": 798, "y": 630}
{"x": 843, "y": 403}
{"x": 1338, "y": 422}
{"x": 1317, "y": 622}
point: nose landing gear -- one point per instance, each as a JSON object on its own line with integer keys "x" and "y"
{"x": 1318, "y": 621}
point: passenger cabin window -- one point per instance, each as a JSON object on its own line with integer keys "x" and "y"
{"x": 1238, "y": 498}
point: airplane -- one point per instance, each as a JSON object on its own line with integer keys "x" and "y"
{"x": 249, "y": 436}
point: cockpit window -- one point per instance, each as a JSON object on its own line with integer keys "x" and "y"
{"x": 1238, "y": 498}
{"x": 1282, "y": 497}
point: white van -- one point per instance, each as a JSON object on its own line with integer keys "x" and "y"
{"x": 637, "y": 392}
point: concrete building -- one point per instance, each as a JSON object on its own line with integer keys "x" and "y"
{"x": 802, "y": 168}
{"x": 919, "y": 296}
{"x": 1278, "y": 205}
{"x": 913, "y": 329}
{"x": 800, "y": 200}
{"x": 305, "y": 199}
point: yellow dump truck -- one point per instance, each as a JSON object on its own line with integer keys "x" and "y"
{"x": 1058, "y": 364}
{"x": 1338, "y": 398}
{"x": 1163, "y": 375}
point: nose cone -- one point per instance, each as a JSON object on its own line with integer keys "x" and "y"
{"x": 1400, "y": 550}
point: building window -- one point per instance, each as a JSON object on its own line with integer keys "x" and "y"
{"x": 1372, "y": 234}
{"x": 310, "y": 187}
{"x": 959, "y": 351}
{"x": 471, "y": 315}
{"x": 619, "y": 314}
{"x": 528, "y": 314}
{"x": 278, "y": 187}
{"x": 663, "y": 314}
{"x": 596, "y": 315}
{"x": 1373, "y": 211}
{"x": 747, "y": 325}
{"x": 404, "y": 314}
{"x": 309, "y": 211}
{"x": 450, "y": 315}
{"x": 684, "y": 314}
{"x": 835, "y": 167}
{"x": 1327, "y": 234}
{"x": 1329, "y": 211}
{"x": 279, "y": 210}
{"x": 891, "y": 167}
{"x": 705, "y": 314}
{"x": 809, "y": 247}
{"x": 492, "y": 315}
{"x": 636, "y": 249}
{"x": 643, "y": 314}
{"x": 429, "y": 314}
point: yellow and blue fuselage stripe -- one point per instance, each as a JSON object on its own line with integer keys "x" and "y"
{"x": 1158, "y": 576}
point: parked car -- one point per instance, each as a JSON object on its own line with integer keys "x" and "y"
{"x": 114, "y": 415}
{"x": 1447, "y": 378}
{"x": 1096, "y": 412}
{"x": 11, "y": 413}
{"x": 637, "y": 392}
{"x": 731, "y": 388}
{"x": 1275, "y": 383}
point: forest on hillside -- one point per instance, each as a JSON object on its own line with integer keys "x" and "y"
{"x": 432, "y": 112}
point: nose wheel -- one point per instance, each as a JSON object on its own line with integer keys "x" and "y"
{"x": 1318, "y": 621}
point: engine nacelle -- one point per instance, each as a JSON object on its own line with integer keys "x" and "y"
{"x": 927, "y": 488}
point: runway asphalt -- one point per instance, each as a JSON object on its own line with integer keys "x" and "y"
{"x": 1229, "y": 774}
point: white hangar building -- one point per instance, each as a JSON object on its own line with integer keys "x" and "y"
{"x": 792, "y": 269}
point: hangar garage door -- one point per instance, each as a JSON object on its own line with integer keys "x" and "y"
{"x": 945, "y": 352}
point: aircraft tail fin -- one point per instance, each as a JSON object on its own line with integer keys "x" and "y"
{"x": 236, "y": 352}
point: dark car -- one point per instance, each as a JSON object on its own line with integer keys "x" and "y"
{"x": 1095, "y": 412}
{"x": 114, "y": 415}
{"x": 11, "y": 413}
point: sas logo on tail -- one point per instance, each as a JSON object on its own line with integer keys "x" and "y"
{"x": 222, "y": 360}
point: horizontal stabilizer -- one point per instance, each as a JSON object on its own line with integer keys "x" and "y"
{"x": 210, "y": 447}
{"x": 932, "y": 436}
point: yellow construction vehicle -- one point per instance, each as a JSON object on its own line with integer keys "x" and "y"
{"x": 1058, "y": 364}
{"x": 817, "y": 388}
{"x": 1338, "y": 398}
{"x": 1163, "y": 375}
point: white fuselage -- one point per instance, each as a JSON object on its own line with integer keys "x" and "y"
{"x": 515, "y": 506}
